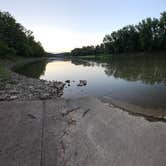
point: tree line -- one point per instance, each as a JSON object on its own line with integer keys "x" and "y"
{"x": 16, "y": 39}
{"x": 148, "y": 35}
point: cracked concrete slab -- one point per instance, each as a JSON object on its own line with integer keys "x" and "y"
{"x": 110, "y": 136}
{"x": 30, "y": 132}
{"x": 20, "y": 135}
{"x": 38, "y": 133}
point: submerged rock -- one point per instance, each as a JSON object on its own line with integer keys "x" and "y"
{"x": 67, "y": 81}
{"x": 82, "y": 83}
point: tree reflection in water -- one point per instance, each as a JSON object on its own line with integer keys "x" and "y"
{"x": 149, "y": 71}
{"x": 33, "y": 70}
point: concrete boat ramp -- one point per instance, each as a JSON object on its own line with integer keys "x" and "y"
{"x": 78, "y": 132}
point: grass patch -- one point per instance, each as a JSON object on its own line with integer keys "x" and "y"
{"x": 86, "y": 57}
{"x": 4, "y": 73}
{"x": 100, "y": 57}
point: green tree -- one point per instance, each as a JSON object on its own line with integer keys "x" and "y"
{"x": 148, "y": 35}
{"x": 16, "y": 37}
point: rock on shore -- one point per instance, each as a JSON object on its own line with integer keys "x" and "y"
{"x": 23, "y": 88}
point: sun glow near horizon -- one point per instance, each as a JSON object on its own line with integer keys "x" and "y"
{"x": 62, "y": 26}
{"x": 63, "y": 40}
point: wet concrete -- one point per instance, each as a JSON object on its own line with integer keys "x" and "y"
{"x": 78, "y": 132}
{"x": 151, "y": 114}
{"x": 110, "y": 136}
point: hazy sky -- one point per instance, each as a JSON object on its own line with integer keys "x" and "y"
{"x": 62, "y": 25}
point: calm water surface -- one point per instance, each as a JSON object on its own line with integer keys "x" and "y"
{"x": 139, "y": 82}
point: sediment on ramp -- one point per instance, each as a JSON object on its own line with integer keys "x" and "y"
{"x": 76, "y": 132}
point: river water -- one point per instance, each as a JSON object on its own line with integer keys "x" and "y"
{"x": 140, "y": 82}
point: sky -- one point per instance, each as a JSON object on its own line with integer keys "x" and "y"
{"x": 62, "y": 25}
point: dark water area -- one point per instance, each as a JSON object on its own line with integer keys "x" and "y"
{"x": 141, "y": 82}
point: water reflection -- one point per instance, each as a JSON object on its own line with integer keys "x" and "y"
{"x": 140, "y": 82}
{"x": 81, "y": 62}
{"x": 33, "y": 70}
{"x": 148, "y": 71}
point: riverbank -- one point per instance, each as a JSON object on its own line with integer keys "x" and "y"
{"x": 18, "y": 87}
{"x": 73, "y": 89}
{"x": 122, "y": 56}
